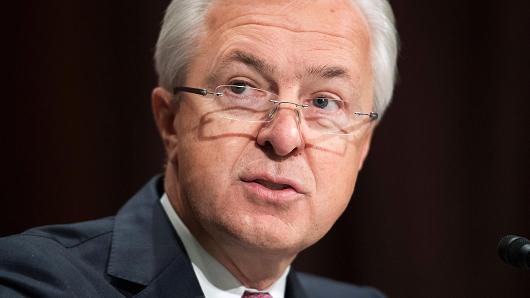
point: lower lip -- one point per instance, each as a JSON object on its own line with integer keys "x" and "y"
{"x": 263, "y": 193}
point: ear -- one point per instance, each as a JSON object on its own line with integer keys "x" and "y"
{"x": 164, "y": 111}
{"x": 365, "y": 146}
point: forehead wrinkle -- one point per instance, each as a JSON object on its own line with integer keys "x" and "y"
{"x": 216, "y": 24}
{"x": 349, "y": 25}
{"x": 335, "y": 18}
{"x": 252, "y": 20}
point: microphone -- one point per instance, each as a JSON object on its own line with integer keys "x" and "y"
{"x": 515, "y": 250}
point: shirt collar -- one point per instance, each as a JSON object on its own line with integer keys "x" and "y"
{"x": 215, "y": 280}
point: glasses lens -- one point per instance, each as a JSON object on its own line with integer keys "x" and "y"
{"x": 241, "y": 102}
{"x": 333, "y": 116}
{"x": 321, "y": 114}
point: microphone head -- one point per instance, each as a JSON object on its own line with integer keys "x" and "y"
{"x": 515, "y": 250}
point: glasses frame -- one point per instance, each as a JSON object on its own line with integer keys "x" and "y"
{"x": 205, "y": 92}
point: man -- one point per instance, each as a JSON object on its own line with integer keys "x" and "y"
{"x": 266, "y": 110}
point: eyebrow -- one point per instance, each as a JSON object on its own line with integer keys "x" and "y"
{"x": 246, "y": 58}
{"x": 328, "y": 72}
{"x": 323, "y": 71}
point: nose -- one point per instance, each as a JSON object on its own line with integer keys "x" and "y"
{"x": 283, "y": 132}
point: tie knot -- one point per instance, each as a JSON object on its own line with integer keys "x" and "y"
{"x": 248, "y": 294}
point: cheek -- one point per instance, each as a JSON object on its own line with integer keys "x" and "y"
{"x": 336, "y": 172}
{"x": 206, "y": 162}
{"x": 205, "y": 178}
{"x": 335, "y": 180}
{"x": 208, "y": 150}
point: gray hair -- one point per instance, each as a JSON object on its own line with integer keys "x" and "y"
{"x": 183, "y": 22}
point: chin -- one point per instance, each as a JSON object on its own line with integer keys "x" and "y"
{"x": 268, "y": 233}
{"x": 239, "y": 221}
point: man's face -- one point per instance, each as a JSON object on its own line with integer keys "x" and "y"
{"x": 278, "y": 186}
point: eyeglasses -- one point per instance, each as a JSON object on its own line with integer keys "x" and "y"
{"x": 321, "y": 114}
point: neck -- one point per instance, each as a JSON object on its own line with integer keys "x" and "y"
{"x": 254, "y": 267}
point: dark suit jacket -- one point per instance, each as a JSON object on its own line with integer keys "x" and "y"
{"x": 135, "y": 253}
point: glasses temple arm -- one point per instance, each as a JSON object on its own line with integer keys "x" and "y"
{"x": 372, "y": 115}
{"x": 199, "y": 91}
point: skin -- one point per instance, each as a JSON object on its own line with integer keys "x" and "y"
{"x": 254, "y": 236}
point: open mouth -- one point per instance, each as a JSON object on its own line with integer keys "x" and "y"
{"x": 275, "y": 190}
{"x": 272, "y": 185}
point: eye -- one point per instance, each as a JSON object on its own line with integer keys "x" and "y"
{"x": 320, "y": 102}
{"x": 238, "y": 89}
{"x": 325, "y": 103}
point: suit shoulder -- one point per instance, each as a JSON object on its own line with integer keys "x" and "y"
{"x": 56, "y": 245}
{"x": 70, "y": 235}
{"x": 326, "y": 287}
{"x": 54, "y": 261}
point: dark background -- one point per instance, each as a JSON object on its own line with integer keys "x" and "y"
{"x": 446, "y": 177}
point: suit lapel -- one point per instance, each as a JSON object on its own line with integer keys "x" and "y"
{"x": 177, "y": 280}
{"x": 146, "y": 250}
{"x": 293, "y": 288}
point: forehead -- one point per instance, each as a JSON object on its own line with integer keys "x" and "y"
{"x": 296, "y": 36}
{"x": 332, "y": 17}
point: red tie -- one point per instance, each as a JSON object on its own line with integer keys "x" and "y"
{"x": 248, "y": 294}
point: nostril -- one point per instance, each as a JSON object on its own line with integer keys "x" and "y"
{"x": 267, "y": 147}
{"x": 282, "y": 136}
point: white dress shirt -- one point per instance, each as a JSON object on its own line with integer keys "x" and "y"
{"x": 215, "y": 280}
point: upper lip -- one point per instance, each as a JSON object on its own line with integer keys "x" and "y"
{"x": 293, "y": 183}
